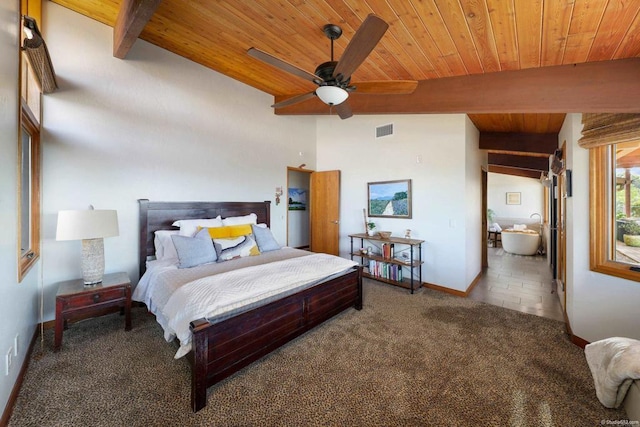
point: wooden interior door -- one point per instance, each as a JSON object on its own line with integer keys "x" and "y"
{"x": 324, "y": 211}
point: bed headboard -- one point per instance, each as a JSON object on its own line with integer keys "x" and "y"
{"x": 160, "y": 215}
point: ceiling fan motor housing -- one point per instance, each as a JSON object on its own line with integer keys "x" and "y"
{"x": 325, "y": 72}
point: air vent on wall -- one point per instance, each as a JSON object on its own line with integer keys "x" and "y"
{"x": 384, "y": 130}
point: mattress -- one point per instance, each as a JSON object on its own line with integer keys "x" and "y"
{"x": 218, "y": 291}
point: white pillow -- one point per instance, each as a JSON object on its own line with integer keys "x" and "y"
{"x": 189, "y": 227}
{"x": 235, "y": 247}
{"x": 165, "y": 248}
{"x": 239, "y": 220}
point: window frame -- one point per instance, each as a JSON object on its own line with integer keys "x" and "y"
{"x": 28, "y": 258}
{"x": 602, "y": 221}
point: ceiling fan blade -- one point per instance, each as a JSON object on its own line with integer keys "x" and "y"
{"x": 279, "y": 63}
{"x": 294, "y": 100}
{"x": 344, "y": 110}
{"x": 386, "y": 87}
{"x": 360, "y": 46}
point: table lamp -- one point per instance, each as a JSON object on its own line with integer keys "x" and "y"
{"x": 90, "y": 226}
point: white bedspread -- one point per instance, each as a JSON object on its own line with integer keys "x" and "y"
{"x": 614, "y": 364}
{"x": 212, "y": 296}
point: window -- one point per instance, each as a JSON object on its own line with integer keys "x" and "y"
{"x": 28, "y": 169}
{"x": 615, "y": 207}
{"x": 613, "y": 141}
{"x": 28, "y": 192}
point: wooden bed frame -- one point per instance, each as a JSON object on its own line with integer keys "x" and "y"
{"x": 224, "y": 348}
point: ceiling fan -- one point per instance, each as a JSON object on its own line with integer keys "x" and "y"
{"x": 333, "y": 78}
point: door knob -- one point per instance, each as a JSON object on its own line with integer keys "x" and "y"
{"x": 336, "y": 222}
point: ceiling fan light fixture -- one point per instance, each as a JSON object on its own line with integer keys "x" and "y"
{"x": 332, "y": 95}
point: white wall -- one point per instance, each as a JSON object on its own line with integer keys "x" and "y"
{"x": 531, "y": 195}
{"x": 475, "y": 159}
{"x": 429, "y": 150}
{"x": 598, "y": 305}
{"x": 153, "y": 126}
{"x": 18, "y": 301}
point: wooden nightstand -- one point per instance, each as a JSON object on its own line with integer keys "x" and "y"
{"x": 76, "y": 301}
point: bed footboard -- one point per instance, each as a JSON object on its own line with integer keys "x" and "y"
{"x": 223, "y": 348}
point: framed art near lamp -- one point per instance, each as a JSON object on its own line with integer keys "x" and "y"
{"x": 513, "y": 198}
{"x": 389, "y": 199}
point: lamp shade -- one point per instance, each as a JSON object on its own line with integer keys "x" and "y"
{"x": 87, "y": 224}
{"x": 332, "y": 95}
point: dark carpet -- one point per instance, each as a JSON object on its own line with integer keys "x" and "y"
{"x": 427, "y": 359}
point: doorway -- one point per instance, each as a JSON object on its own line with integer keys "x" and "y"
{"x": 298, "y": 219}
{"x": 313, "y": 210}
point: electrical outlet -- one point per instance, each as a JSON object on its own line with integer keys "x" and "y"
{"x": 8, "y": 361}
{"x": 15, "y": 345}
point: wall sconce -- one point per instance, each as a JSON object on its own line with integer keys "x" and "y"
{"x": 278, "y": 194}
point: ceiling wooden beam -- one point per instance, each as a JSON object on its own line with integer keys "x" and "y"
{"x": 515, "y": 171}
{"x": 132, "y": 17}
{"x": 519, "y": 153}
{"x": 521, "y": 162}
{"x": 533, "y": 143}
{"x": 605, "y": 86}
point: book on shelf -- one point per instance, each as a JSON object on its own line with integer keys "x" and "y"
{"x": 385, "y": 270}
{"x": 387, "y": 250}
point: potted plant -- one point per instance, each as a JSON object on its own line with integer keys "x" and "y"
{"x": 371, "y": 227}
{"x": 490, "y": 215}
{"x": 631, "y": 234}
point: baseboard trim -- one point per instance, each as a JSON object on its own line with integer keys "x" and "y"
{"x": 51, "y": 324}
{"x": 445, "y": 290}
{"x": 455, "y": 292}
{"x": 8, "y": 409}
{"x": 580, "y": 342}
{"x": 473, "y": 284}
{"x": 576, "y": 340}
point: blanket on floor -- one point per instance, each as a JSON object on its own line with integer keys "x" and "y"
{"x": 614, "y": 364}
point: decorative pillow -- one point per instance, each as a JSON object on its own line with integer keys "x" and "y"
{"x": 193, "y": 251}
{"x": 239, "y": 220}
{"x": 189, "y": 227}
{"x": 235, "y": 247}
{"x": 164, "y": 245}
{"x": 264, "y": 238}
{"x": 229, "y": 231}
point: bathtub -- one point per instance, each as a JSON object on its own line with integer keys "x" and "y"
{"x": 520, "y": 242}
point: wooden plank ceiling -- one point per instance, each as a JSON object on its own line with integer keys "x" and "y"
{"x": 514, "y": 66}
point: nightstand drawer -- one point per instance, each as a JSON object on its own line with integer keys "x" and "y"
{"x": 91, "y": 298}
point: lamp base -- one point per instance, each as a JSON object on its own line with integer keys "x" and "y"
{"x": 92, "y": 261}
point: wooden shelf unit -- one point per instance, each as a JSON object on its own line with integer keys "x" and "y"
{"x": 414, "y": 260}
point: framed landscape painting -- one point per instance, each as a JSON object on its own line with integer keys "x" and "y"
{"x": 297, "y": 199}
{"x": 390, "y": 199}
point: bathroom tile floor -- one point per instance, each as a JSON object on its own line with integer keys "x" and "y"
{"x": 518, "y": 282}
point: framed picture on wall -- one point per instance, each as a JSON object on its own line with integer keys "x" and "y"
{"x": 297, "y": 199}
{"x": 389, "y": 199}
{"x": 513, "y": 198}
